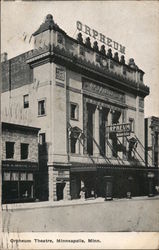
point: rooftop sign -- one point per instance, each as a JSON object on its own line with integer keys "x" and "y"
{"x": 100, "y": 37}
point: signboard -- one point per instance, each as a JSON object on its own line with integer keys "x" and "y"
{"x": 100, "y": 37}
{"x": 123, "y": 129}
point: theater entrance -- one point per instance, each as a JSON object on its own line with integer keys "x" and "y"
{"x": 85, "y": 181}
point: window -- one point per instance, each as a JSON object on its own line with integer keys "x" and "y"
{"x": 24, "y": 151}
{"x": 26, "y": 101}
{"x": 74, "y": 111}
{"x": 42, "y": 139}
{"x": 73, "y": 145}
{"x": 132, "y": 122}
{"x": 41, "y": 107}
{"x": 9, "y": 150}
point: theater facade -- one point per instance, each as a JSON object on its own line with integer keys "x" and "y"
{"x": 89, "y": 105}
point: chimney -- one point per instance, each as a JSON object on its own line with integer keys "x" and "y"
{"x": 4, "y": 57}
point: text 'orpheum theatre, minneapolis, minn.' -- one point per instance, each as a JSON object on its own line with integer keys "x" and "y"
{"x": 89, "y": 106}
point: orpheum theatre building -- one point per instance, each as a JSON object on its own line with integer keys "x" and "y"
{"x": 89, "y": 106}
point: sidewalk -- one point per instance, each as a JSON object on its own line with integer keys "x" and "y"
{"x": 63, "y": 203}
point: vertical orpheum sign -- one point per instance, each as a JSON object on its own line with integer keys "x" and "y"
{"x": 100, "y": 37}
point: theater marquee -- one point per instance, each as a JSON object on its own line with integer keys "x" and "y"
{"x": 100, "y": 37}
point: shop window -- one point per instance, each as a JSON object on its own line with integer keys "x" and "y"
{"x": 26, "y": 101}
{"x": 14, "y": 176}
{"x": 42, "y": 139}
{"x": 6, "y": 176}
{"x": 24, "y": 151}
{"x": 10, "y": 150}
{"x": 41, "y": 107}
{"x": 23, "y": 176}
{"x": 74, "y": 111}
{"x": 30, "y": 177}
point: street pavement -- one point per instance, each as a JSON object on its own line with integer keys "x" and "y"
{"x": 119, "y": 215}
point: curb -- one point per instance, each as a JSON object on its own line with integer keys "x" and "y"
{"x": 20, "y": 206}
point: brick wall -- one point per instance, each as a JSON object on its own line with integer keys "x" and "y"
{"x": 20, "y": 137}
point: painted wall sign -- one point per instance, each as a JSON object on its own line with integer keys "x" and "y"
{"x": 100, "y": 37}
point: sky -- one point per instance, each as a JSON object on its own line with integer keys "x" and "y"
{"x": 134, "y": 24}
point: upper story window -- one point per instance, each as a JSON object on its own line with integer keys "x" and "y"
{"x": 10, "y": 150}
{"x": 74, "y": 111}
{"x": 24, "y": 151}
{"x": 26, "y": 101}
{"x": 42, "y": 138}
{"x": 41, "y": 107}
{"x": 132, "y": 122}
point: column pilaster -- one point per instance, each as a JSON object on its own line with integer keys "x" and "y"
{"x": 120, "y": 154}
{"x": 96, "y": 133}
{"x": 109, "y": 122}
{"x": 50, "y": 172}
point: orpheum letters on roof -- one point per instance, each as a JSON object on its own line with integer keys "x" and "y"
{"x": 99, "y": 36}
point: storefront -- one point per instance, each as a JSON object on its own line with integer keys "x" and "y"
{"x": 19, "y": 163}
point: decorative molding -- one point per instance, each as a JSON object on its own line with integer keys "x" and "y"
{"x": 102, "y": 91}
{"x": 141, "y": 110}
{"x": 74, "y": 89}
{"x": 60, "y": 74}
{"x": 100, "y": 103}
{"x": 131, "y": 107}
{"x": 60, "y": 84}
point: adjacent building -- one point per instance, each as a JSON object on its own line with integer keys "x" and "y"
{"x": 89, "y": 105}
{"x": 19, "y": 162}
{"x": 152, "y": 140}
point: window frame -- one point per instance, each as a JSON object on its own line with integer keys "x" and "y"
{"x": 77, "y": 111}
{"x": 40, "y": 100}
{"x": 21, "y": 151}
{"x": 43, "y": 142}
{"x": 25, "y": 103}
{"x": 132, "y": 122}
{"x": 6, "y": 150}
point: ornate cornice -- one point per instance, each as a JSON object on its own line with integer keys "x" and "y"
{"x": 85, "y": 67}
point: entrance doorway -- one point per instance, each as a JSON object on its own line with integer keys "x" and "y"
{"x": 59, "y": 190}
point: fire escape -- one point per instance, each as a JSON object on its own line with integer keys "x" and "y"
{"x": 131, "y": 147}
